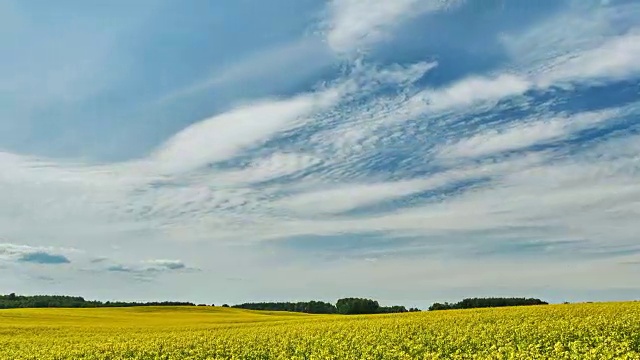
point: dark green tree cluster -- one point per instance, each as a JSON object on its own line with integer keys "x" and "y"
{"x": 346, "y": 306}
{"x": 354, "y": 306}
{"x": 349, "y": 306}
{"x": 309, "y": 307}
{"x": 41, "y": 301}
{"x": 471, "y": 303}
{"x": 395, "y": 309}
{"x": 392, "y": 309}
{"x": 13, "y": 301}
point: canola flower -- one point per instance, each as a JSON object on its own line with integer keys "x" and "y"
{"x": 577, "y": 331}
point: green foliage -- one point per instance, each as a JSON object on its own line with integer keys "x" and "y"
{"x": 13, "y": 301}
{"x": 353, "y": 306}
{"x": 343, "y": 306}
{"x": 309, "y": 307}
{"x": 471, "y": 303}
{"x": 392, "y": 309}
{"x": 348, "y": 306}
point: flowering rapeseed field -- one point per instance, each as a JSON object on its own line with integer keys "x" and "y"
{"x": 579, "y": 331}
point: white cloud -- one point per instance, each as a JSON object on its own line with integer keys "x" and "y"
{"x": 21, "y": 256}
{"x": 360, "y": 125}
{"x": 523, "y": 134}
{"x": 612, "y": 59}
{"x": 354, "y": 24}
{"x": 617, "y": 59}
{"x": 475, "y": 89}
{"x": 164, "y": 190}
{"x": 348, "y": 197}
{"x": 168, "y": 264}
{"x": 571, "y": 198}
{"x": 223, "y": 136}
{"x": 133, "y": 196}
{"x": 147, "y": 268}
{"x": 393, "y": 74}
{"x": 601, "y": 46}
{"x": 362, "y": 79}
{"x": 34, "y": 255}
{"x": 271, "y": 167}
{"x": 588, "y": 198}
{"x": 345, "y": 197}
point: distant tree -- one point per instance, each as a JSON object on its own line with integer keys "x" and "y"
{"x": 438, "y": 306}
{"x": 58, "y": 301}
{"x": 391, "y": 309}
{"x": 471, "y": 303}
{"x": 310, "y": 307}
{"x": 353, "y": 306}
{"x": 414, "y": 310}
{"x": 343, "y": 306}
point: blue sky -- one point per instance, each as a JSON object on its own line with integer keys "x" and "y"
{"x": 412, "y": 151}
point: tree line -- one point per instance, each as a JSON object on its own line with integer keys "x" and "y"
{"x": 346, "y": 306}
{"x": 471, "y": 303}
{"x": 13, "y": 301}
{"x": 309, "y": 307}
{"x": 343, "y": 306}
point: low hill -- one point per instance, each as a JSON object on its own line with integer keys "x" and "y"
{"x": 148, "y": 316}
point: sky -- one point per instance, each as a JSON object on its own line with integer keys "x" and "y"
{"x": 410, "y": 151}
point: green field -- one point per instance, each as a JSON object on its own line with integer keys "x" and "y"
{"x": 580, "y": 331}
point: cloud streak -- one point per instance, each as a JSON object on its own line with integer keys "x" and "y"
{"x": 524, "y": 134}
{"x": 223, "y": 136}
{"x": 354, "y": 24}
{"x": 150, "y": 267}
{"x": 33, "y": 255}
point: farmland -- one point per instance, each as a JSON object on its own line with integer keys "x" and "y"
{"x": 575, "y": 331}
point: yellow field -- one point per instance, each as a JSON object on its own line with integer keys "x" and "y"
{"x": 581, "y": 331}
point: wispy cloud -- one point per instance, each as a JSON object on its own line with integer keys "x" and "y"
{"x": 34, "y": 255}
{"x": 44, "y": 258}
{"x": 269, "y": 69}
{"x": 475, "y": 90}
{"x": 523, "y": 134}
{"x": 601, "y": 45}
{"x": 223, "y": 136}
{"x": 150, "y": 267}
{"x": 356, "y": 24}
{"x": 348, "y": 197}
{"x": 615, "y": 59}
{"x": 180, "y": 191}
